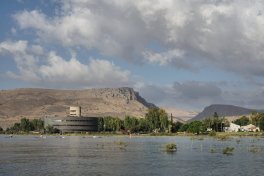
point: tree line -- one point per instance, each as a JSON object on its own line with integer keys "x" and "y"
{"x": 26, "y": 126}
{"x": 156, "y": 120}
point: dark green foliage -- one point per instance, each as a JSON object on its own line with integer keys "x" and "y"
{"x": 261, "y": 122}
{"x": 184, "y": 127}
{"x": 131, "y": 124}
{"x": 38, "y": 124}
{"x": 157, "y": 119}
{"x": 100, "y": 124}
{"x": 143, "y": 125}
{"x": 176, "y": 127}
{"x": 112, "y": 124}
{"x": 216, "y": 123}
{"x": 50, "y": 130}
{"x": 1, "y": 130}
{"x": 196, "y": 127}
{"x": 242, "y": 121}
{"x": 26, "y": 125}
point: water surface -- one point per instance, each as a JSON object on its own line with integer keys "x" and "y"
{"x": 77, "y": 155}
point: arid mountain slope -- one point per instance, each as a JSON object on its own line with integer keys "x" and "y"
{"x": 38, "y": 103}
{"x": 224, "y": 111}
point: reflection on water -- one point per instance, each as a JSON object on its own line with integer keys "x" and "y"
{"x": 77, "y": 155}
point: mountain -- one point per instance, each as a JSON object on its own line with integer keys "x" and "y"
{"x": 179, "y": 114}
{"x": 38, "y": 103}
{"x": 222, "y": 110}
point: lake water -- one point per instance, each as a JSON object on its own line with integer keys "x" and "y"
{"x": 77, "y": 155}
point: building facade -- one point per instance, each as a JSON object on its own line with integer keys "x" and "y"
{"x": 75, "y": 122}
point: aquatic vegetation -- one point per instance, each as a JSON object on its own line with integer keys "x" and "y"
{"x": 255, "y": 149}
{"x": 228, "y": 150}
{"x": 213, "y": 150}
{"x": 122, "y": 145}
{"x": 212, "y": 133}
{"x": 171, "y": 147}
{"x": 197, "y": 138}
{"x": 222, "y": 137}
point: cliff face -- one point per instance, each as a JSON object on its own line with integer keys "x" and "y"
{"x": 37, "y": 103}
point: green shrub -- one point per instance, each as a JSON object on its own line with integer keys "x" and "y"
{"x": 171, "y": 147}
{"x": 228, "y": 150}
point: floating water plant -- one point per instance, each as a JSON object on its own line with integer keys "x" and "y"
{"x": 255, "y": 149}
{"x": 122, "y": 145}
{"x": 171, "y": 147}
{"x": 228, "y": 150}
{"x": 213, "y": 150}
{"x": 222, "y": 137}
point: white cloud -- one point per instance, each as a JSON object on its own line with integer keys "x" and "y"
{"x": 226, "y": 34}
{"x": 174, "y": 56}
{"x": 26, "y": 63}
{"x": 60, "y": 72}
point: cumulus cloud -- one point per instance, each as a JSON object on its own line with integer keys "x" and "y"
{"x": 191, "y": 34}
{"x": 59, "y": 71}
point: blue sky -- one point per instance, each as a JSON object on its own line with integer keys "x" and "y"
{"x": 182, "y": 54}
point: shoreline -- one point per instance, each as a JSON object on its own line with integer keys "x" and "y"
{"x": 181, "y": 134}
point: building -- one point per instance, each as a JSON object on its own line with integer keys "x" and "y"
{"x": 75, "y": 111}
{"x": 232, "y": 128}
{"x": 75, "y": 122}
{"x": 250, "y": 128}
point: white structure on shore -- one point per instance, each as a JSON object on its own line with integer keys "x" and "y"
{"x": 250, "y": 128}
{"x": 232, "y": 128}
{"x": 235, "y": 128}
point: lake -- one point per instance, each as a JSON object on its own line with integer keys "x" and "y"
{"x": 120, "y": 155}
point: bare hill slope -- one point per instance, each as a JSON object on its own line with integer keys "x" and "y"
{"x": 223, "y": 111}
{"x": 37, "y": 103}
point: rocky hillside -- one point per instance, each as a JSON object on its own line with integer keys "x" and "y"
{"x": 38, "y": 103}
{"x": 222, "y": 110}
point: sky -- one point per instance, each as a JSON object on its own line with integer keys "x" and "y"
{"x": 185, "y": 54}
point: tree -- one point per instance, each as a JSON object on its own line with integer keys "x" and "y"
{"x": 196, "y": 127}
{"x": 176, "y": 127}
{"x": 131, "y": 124}
{"x": 1, "y": 130}
{"x": 184, "y": 127}
{"x": 242, "y": 121}
{"x": 255, "y": 118}
{"x": 112, "y": 123}
{"x": 261, "y": 122}
{"x": 157, "y": 119}
{"x": 143, "y": 125}
{"x": 37, "y": 124}
{"x": 50, "y": 130}
{"x": 100, "y": 124}
{"x": 25, "y": 125}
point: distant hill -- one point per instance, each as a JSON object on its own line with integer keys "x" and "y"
{"x": 37, "y": 103}
{"x": 180, "y": 115}
{"x": 222, "y": 110}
